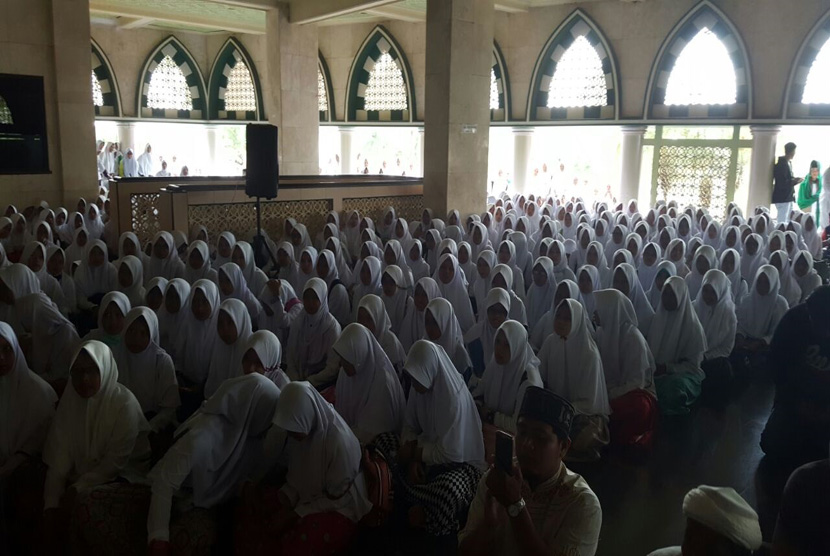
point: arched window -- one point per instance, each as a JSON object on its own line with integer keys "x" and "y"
{"x": 380, "y": 82}
{"x": 325, "y": 96}
{"x": 499, "y": 87}
{"x": 322, "y": 95}
{"x": 97, "y": 94}
{"x": 579, "y": 79}
{"x": 386, "y": 89}
{"x": 575, "y": 76}
{"x": 171, "y": 85}
{"x": 702, "y": 69}
{"x": 104, "y": 89}
{"x": 5, "y": 113}
{"x": 168, "y": 88}
{"x": 234, "y": 85}
{"x": 816, "y": 89}
{"x": 705, "y": 56}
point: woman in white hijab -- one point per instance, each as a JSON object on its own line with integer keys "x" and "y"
{"x": 507, "y": 256}
{"x": 233, "y": 325}
{"x": 173, "y": 314}
{"x": 34, "y": 256}
{"x": 131, "y": 279}
{"x": 812, "y": 237}
{"x": 485, "y": 264}
{"x": 154, "y": 293}
{"x": 98, "y": 429}
{"x": 215, "y": 450}
{"x": 502, "y": 277}
{"x": 325, "y": 487}
{"x": 264, "y": 357}
{"x": 665, "y": 270}
{"x": 224, "y": 249}
{"x": 280, "y": 306}
{"x": 705, "y": 259}
{"x": 647, "y": 269}
{"x": 147, "y": 370}
{"x": 730, "y": 265}
{"x": 372, "y": 314}
{"x": 94, "y": 224}
{"x": 415, "y": 260}
{"x": 566, "y": 289}
{"x": 453, "y": 286}
{"x": 197, "y": 265}
{"x": 128, "y": 244}
{"x": 676, "y": 253}
{"x": 790, "y": 290}
{"x": 195, "y": 340}
{"x": 805, "y": 274}
{"x": 338, "y": 296}
{"x": 571, "y": 366}
{"x": 716, "y": 311}
{"x": 589, "y": 281}
{"x": 561, "y": 270}
{"x": 145, "y": 162}
{"x": 678, "y": 343}
{"x": 752, "y": 257}
{"x": 232, "y": 285}
{"x": 480, "y": 340}
{"x": 289, "y": 267}
{"x": 440, "y": 456}
{"x": 95, "y": 277}
{"x": 369, "y": 394}
{"x": 55, "y": 259}
{"x": 760, "y": 310}
{"x": 334, "y": 245}
{"x": 367, "y": 272}
{"x": 164, "y": 260}
{"x": 27, "y": 405}
{"x": 243, "y": 256}
{"x": 625, "y": 281}
{"x": 54, "y": 337}
{"x": 300, "y": 238}
{"x": 312, "y": 334}
{"x": 442, "y": 327}
{"x": 111, "y": 315}
{"x": 511, "y": 369}
{"x": 395, "y": 297}
{"x": 413, "y": 328}
{"x": 542, "y": 290}
{"x": 628, "y": 367}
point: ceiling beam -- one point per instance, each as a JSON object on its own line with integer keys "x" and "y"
{"x": 190, "y": 20}
{"x": 254, "y": 4}
{"x": 511, "y": 6}
{"x": 133, "y": 22}
{"x": 313, "y": 11}
{"x": 399, "y": 13}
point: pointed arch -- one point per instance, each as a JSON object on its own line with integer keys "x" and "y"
{"x": 102, "y": 72}
{"x": 817, "y": 42}
{"x": 577, "y": 26}
{"x": 6, "y": 116}
{"x": 703, "y": 16}
{"x": 378, "y": 43}
{"x": 181, "y": 57}
{"x": 230, "y": 56}
{"x": 500, "y": 86}
{"x": 325, "y": 92}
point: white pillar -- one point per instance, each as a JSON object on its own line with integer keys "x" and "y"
{"x": 126, "y": 138}
{"x": 522, "y": 147}
{"x": 347, "y": 164}
{"x": 761, "y": 164}
{"x": 211, "y": 133}
{"x": 632, "y": 161}
{"x": 421, "y": 148}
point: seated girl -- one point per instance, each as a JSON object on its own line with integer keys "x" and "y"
{"x": 233, "y": 326}
{"x": 665, "y": 270}
{"x": 805, "y": 274}
{"x": 16, "y": 281}
{"x": 566, "y": 289}
{"x": 338, "y": 296}
{"x": 164, "y": 259}
{"x": 453, "y": 286}
{"x": 172, "y": 315}
{"x": 264, "y": 356}
{"x": 111, "y": 314}
{"x": 480, "y": 340}
{"x": 131, "y": 279}
{"x": 197, "y": 266}
{"x": 716, "y": 312}
{"x": 442, "y": 327}
{"x": 413, "y": 327}
{"x": 154, "y": 293}
{"x": 312, "y": 334}
{"x": 95, "y": 277}
{"x": 280, "y": 306}
{"x": 571, "y": 366}
{"x": 502, "y": 277}
{"x": 372, "y": 314}
{"x": 54, "y": 340}
{"x": 759, "y": 312}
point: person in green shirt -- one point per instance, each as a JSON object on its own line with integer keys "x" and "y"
{"x": 810, "y": 190}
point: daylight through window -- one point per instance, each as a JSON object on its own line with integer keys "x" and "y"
{"x": 322, "y": 95}
{"x": 97, "y": 94}
{"x": 579, "y": 79}
{"x": 240, "y": 94}
{"x": 816, "y": 89}
{"x": 168, "y": 87}
{"x": 494, "y": 91}
{"x": 703, "y": 73}
{"x": 386, "y": 89}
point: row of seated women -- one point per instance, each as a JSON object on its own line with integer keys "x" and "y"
{"x": 614, "y": 353}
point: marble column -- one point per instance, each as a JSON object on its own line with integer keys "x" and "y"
{"x": 761, "y": 164}
{"x": 522, "y": 147}
{"x": 291, "y": 91}
{"x": 421, "y": 150}
{"x": 211, "y": 135}
{"x": 459, "y": 46}
{"x": 347, "y": 163}
{"x": 632, "y": 161}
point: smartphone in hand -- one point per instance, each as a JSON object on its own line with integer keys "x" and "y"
{"x": 504, "y": 452}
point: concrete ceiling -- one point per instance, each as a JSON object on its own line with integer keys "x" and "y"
{"x": 248, "y": 16}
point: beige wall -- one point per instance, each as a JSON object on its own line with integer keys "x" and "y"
{"x": 28, "y": 43}
{"x": 772, "y": 31}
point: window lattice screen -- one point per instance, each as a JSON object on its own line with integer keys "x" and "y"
{"x": 694, "y": 176}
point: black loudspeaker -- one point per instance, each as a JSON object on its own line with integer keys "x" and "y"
{"x": 262, "y": 178}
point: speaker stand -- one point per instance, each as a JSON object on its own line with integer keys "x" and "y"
{"x": 259, "y": 242}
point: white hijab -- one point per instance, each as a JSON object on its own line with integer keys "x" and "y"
{"x": 572, "y": 366}
{"x": 719, "y": 321}
{"x": 676, "y": 336}
{"x": 170, "y": 267}
{"x": 737, "y": 282}
{"x": 790, "y": 290}
{"x": 196, "y": 339}
{"x": 483, "y": 330}
{"x": 221, "y": 260}
{"x": 758, "y": 315}
{"x": 149, "y": 375}
{"x": 393, "y": 348}
{"x": 641, "y": 304}
{"x": 751, "y": 263}
{"x": 226, "y": 360}
{"x": 135, "y": 292}
{"x": 445, "y": 416}
{"x": 86, "y": 431}
{"x": 540, "y": 298}
{"x": 694, "y": 280}
{"x": 399, "y": 304}
{"x": 91, "y": 280}
{"x": 501, "y": 384}
{"x": 412, "y": 328}
{"x": 20, "y": 279}
{"x": 456, "y": 292}
{"x": 27, "y": 404}
{"x": 587, "y": 299}
{"x": 205, "y": 272}
{"x": 452, "y": 338}
{"x": 309, "y": 333}
{"x": 373, "y": 287}
{"x": 371, "y": 401}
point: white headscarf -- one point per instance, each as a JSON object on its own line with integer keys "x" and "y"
{"x": 483, "y": 330}
{"x": 302, "y": 277}
{"x": 737, "y": 283}
{"x": 444, "y": 418}
{"x": 27, "y": 404}
{"x": 719, "y": 322}
{"x": 196, "y": 338}
{"x": 412, "y": 328}
{"x": 587, "y": 299}
{"x": 241, "y": 291}
{"x": 225, "y": 435}
{"x": 653, "y": 292}
{"x": 205, "y": 272}
{"x": 452, "y": 338}
{"x": 790, "y": 290}
{"x": 751, "y": 263}
{"x": 170, "y": 267}
{"x": 694, "y": 279}
{"x": 758, "y": 315}
{"x": 456, "y": 292}
{"x": 677, "y": 335}
{"x": 502, "y": 385}
{"x": 393, "y": 348}
{"x": 311, "y": 336}
{"x": 399, "y": 304}
{"x": 373, "y": 287}
{"x": 325, "y": 465}
{"x": 95, "y": 280}
{"x": 221, "y": 260}
{"x": 134, "y": 292}
{"x": 268, "y": 349}
{"x": 254, "y": 277}
{"x": 540, "y": 298}
{"x": 642, "y": 306}
{"x": 149, "y": 375}
{"x": 811, "y": 280}
{"x": 20, "y": 279}
{"x": 723, "y": 511}
{"x": 371, "y": 401}
{"x": 55, "y": 337}
{"x": 87, "y": 431}
{"x": 226, "y": 360}
{"x": 572, "y": 366}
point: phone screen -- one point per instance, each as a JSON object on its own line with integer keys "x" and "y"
{"x": 504, "y": 452}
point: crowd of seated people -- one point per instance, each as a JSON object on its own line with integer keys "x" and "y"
{"x": 175, "y": 397}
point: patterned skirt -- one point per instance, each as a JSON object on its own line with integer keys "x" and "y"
{"x": 445, "y": 496}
